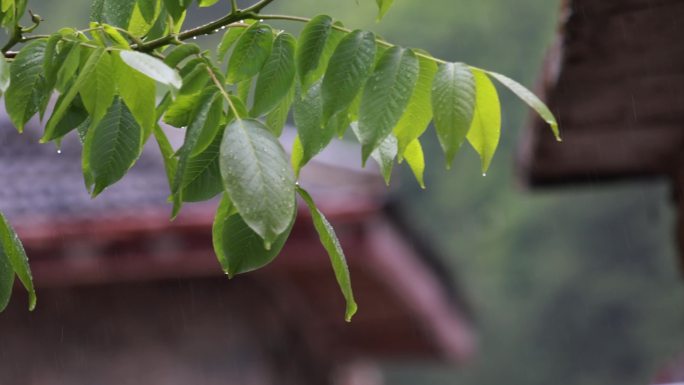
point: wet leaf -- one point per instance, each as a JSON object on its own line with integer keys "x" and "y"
{"x": 258, "y": 178}
{"x": 16, "y": 256}
{"x": 238, "y": 248}
{"x": 332, "y": 245}
{"x": 485, "y": 130}
{"x": 453, "y": 103}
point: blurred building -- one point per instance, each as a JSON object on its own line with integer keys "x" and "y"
{"x": 128, "y": 297}
{"x": 615, "y": 79}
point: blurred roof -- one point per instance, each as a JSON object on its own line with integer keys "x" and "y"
{"x": 407, "y": 307}
{"x": 615, "y": 80}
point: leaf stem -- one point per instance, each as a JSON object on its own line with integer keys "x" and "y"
{"x": 233, "y": 6}
{"x": 223, "y": 92}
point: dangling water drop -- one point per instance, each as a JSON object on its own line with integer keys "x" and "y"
{"x": 59, "y": 151}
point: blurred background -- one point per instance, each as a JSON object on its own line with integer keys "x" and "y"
{"x": 576, "y": 286}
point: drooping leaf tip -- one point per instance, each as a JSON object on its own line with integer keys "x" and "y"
{"x": 32, "y": 301}
{"x": 352, "y": 308}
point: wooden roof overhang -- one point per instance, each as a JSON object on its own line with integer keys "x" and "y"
{"x": 615, "y": 79}
{"x": 405, "y": 311}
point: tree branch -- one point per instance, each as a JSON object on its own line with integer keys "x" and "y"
{"x": 256, "y": 8}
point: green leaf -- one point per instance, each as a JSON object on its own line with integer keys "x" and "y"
{"x": 202, "y": 180}
{"x": 4, "y": 74}
{"x": 313, "y": 136}
{"x": 418, "y": 114}
{"x": 148, "y": 9}
{"x": 383, "y": 7}
{"x": 238, "y": 248}
{"x": 276, "y": 77}
{"x": 413, "y": 154}
{"x": 195, "y": 80}
{"x": 277, "y": 118}
{"x": 331, "y": 244}
{"x": 138, "y": 26}
{"x": 180, "y": 111}
{"x": 99, "y": 87}
{"x": 116, "y": 36}
{"x": 153, "y": 68}
{"x": 207, "y": 3}
{"x": 200, "y": 118}
{"x": 69, "y": 66}
{"x": 211, "y": 125}
{"x": 82, "y": 129}
{"x": 386, "y": 96}
{"x": 175, "y": 8}
{"x": 74, "y": 117}
{"x": 14, "y": 251}
{"x": 229, "y": 38}
{"x": 112, "y": 146}
{"x": 311, "y": 46}
{"x": 179, "y": 53}
{"x": 113, "y": 12}
{"x": 349, "y": 68}
{"x": 160, "y": 27}
{"x": 331, "y": 44}
{"x": 258, "y": 178}
{"x": 6, "y": 280}
{"x": 168, "y": 155}
{"x": 139, "y": 93}
{"x": 50, "y": 65}
{"x": 384, "y": 155}
{"x": 250, "y": 53}
{"x": 453, "y": 104}
{"x": 27, "y": 90}
{"x": 531, "y": 99}
{"x": 64, "y": 102}
{"x": 485, "y": 129}
{"x": 6, "y": 5}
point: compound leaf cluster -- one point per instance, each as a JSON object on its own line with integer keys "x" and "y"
{"x": 134, "y": 69}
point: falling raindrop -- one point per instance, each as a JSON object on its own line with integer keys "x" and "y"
{"x": 59, "y": 151}
{"x": 484, "y": 174}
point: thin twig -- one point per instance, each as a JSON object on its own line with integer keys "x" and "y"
{"x": 223, "y": 92}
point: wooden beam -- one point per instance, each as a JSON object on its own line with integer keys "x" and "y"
{"x": 601, "y": 155}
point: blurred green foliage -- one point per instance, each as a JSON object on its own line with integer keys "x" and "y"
{"x": 576, "y": 286}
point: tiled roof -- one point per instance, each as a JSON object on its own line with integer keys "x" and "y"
{"x": 40, "y": 183}
{"x": 37, "y": 181}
